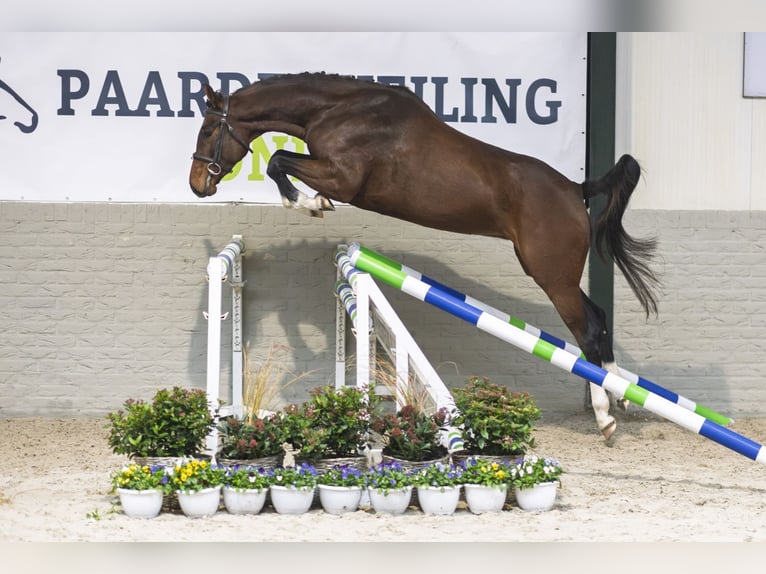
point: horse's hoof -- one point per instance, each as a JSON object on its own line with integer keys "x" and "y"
{"x": 325, "y": 204}
{"x": 609, "y": 429}
{"x": 623, "y": 404}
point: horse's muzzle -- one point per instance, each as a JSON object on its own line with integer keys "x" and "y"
{"x": 201, "y": 182}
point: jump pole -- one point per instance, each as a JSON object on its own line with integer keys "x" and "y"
{"x": 557, "y": 356}
{"x": 562, "y": 344}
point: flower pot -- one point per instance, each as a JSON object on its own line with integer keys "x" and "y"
{"x": 244, "y": 501}
{"x": 481, "y": 499}
{"x": 200, "y": 503}
{"x": 438, "y": 499}
{"x": 291, "y": 500}
{"x": 339, "y": 499}
{"x": 392, "y": 501}
{"x": 140, "y": 503}
{"x": 537, "y": 498}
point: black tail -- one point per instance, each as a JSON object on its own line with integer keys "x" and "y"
{"x": 631, "y": 255}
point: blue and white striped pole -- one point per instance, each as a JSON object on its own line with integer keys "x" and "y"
{"x": 556, "y": 355}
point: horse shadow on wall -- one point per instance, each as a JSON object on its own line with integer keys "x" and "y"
{"x": 289, "y": 299}
{"x": 14, "y": 107}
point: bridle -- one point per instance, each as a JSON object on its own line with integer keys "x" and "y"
{"x": 214, "y": 166}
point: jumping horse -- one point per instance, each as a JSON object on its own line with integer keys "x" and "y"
{"x": 381, "y": 148}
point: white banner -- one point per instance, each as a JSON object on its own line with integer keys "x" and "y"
{"x": 114, "y": 117}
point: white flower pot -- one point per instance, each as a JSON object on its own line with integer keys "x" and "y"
{"x": 201, "y": 503}
{"x": 390, "y": 502}
{"x": 339, "y": 499}
{"x": 291, "y": 500}
{"x": 244, "y": 501}
{"x": 481, "y": 499}
{"x": 438, "y": 499}
{"x": 140, "y": 503}
{"x": 537, "y": 498}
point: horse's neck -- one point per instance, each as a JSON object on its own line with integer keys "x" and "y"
{"x": 290, "y": 101}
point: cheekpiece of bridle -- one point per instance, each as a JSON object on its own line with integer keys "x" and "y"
{"x": 214, "y": 166}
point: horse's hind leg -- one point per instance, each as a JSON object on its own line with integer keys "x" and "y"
{"x": 587, "y": 322}
{"x": 284, "y": 163}
{"x": 557, "y": 270}
{"x": 597, "y": 332}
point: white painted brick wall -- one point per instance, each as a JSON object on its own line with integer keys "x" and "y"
{"x": 104, "y": 302}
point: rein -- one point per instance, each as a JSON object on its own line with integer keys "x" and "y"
{"x": 214, "y": 166}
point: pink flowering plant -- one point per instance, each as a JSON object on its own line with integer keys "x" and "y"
{"x": 533, "y": 470}
{"x": 138, "y": 477}
{"x": 258, "y": 438}
{"x": 411, "y": 434}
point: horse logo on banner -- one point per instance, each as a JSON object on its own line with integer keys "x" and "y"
{"x": 13, "y": 107}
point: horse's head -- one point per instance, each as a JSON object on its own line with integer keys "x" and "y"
{"x": 219, "y": 148}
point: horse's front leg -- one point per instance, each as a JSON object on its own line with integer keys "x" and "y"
{"x": 280, "y": 165}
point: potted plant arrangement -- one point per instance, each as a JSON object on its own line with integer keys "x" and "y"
{"x": 411, "y": 437}
{"x": 256, "y": 437}
{"x": 292, "y": 488}
{"x": 254, "y": 442}
{"x": 486, "y": 484}
{"x": 305, "y": 439}
{"x": 141, "y": 489}
{"x": 497, "y": 423}
{"x": 390, "y": 487}
{"x": 438, "y": 487}
{"x": 340, "y": 488}
{"x": 197, "y": 484}
{"x": 345, "y": 414}
{"x": 535, "y": 482}
{"x": 173, "y": 425}
{"x": 245, "y": 489}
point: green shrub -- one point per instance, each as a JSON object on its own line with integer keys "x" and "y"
{"x": 175, "y": 423}
{"x": 495, "y": 421}
{"x": 345, "y": 414}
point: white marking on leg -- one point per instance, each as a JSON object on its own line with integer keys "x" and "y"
{"x": 600, "y": 403}
{"x": 612, "y": 367}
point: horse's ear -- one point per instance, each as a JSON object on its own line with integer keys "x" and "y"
{"x": 213, "y": 97}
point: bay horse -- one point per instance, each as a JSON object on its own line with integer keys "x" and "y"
{"x": 381, "y": 148}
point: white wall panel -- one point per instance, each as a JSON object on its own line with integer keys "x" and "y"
{"x": 698, "y": 139}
